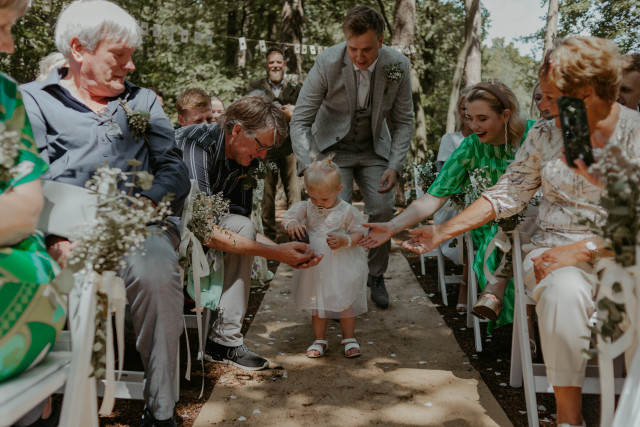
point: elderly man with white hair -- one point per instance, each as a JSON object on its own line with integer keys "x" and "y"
{"x": 79, "y": 121}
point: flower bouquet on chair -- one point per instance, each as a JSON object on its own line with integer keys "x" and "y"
{"x": 618, "y": 300}
{"x": 98, "y": 251}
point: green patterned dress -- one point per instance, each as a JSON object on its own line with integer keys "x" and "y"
{"x": 454, "y": 178}
{"x": 31, "y": 314}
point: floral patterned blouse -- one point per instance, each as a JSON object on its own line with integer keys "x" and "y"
{"x": 568, "y": 199}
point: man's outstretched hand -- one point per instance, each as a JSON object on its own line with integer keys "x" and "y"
{"x": 298, "y": 255}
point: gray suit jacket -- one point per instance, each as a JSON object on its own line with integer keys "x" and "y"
{"x": 327, "y": 101}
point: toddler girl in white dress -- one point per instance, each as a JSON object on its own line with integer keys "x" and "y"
{"x": 336, "y": 287}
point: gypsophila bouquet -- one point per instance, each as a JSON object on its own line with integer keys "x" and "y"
{"x": 9, "y": 143}
{"x": 479, "y": 181}
{"x": 419, "y": 176}
{"x": 393, "y": 73}
{"x": 120, "y": 226}
{"x": 138, "y": 122}
{"x": 255, "y": 173}
{"x": 207, "y": 211}
{"x": 618, "y": 228}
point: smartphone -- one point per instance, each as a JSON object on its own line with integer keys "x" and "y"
{"x": 575, "y": 130}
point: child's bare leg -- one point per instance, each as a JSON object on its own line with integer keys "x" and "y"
{"x": 319, "y": 331}
{"x": 348, "y": 325}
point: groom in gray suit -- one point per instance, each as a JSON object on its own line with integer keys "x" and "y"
{"x": 356, "y": 104}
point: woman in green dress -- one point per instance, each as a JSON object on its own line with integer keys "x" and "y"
{"x": 494, "y": 117}
{"x": 31, "y": 312}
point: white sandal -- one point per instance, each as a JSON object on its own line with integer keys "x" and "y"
{"x": 350, "y": 343}
{"x": 320, "y": 346}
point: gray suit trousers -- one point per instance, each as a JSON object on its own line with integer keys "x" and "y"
{"x": 366, "y": 168}
{"x": 226, "y": 329}
{"x": 154, "y": 293}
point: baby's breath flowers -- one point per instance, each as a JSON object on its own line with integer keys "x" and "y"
{"x": 618, "y": 229}
{"x": 120, "y": 226}
{"x": 207, "y": 213}
{"x": 138, "y": 122}
{"x": 118, "y": 230}
{"x": 9, "y": 143}
{"x": 393, "y": 73}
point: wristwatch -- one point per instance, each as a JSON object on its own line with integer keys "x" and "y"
{"x": 592, "y": 247}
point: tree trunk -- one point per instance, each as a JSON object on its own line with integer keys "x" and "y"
{"x": 473, "y": 29}
{"x": 292, "y": 32}
{"x": 231, "y": 44}
{"x": 552, "y": 25}
{"x": 241, "y": 59}
{"x": 404, "y": 19}
{"x": 472, "y": 8}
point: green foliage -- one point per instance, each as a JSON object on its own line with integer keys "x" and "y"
{"x": 618, "y": 20}
{"x": 516, "y": 71}
{"x": 173, "y": 66}
{"x": 438, "y": 38}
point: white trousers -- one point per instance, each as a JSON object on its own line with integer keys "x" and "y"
{"x": 564, "y": 306}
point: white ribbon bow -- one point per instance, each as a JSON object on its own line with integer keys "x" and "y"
{"x": 200, "y": 269}
{"x": 502, "y": 242}
{"x": 113, "y": 287}
{"x": 613, "y": 273}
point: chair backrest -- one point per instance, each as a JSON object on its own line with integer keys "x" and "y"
{"x": 66, "y": 208}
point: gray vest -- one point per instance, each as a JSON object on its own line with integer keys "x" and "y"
{"x": 360, "y": 137}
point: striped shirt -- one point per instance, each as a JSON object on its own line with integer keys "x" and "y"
{"x": 203, "y": 151}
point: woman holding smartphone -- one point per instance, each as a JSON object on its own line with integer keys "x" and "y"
{"x": 559, "y": 266}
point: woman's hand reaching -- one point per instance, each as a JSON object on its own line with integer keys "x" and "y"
{"x": 425, "y": 239}
{"x": 379, "y": 232}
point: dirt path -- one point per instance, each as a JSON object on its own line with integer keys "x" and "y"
{"x": 412, "y": 371}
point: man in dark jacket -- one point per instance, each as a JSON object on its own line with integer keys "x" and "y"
{"x": 284, "y": 92}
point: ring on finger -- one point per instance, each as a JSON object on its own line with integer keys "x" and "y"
{"x": 545, "y": 264}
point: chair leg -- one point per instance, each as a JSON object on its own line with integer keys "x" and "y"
{"x": 442, "y": 281}
{"x": 521, "y": 328}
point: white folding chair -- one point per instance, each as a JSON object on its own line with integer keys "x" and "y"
{"x": 443, "y": 279}
{"x": 60, "y": 370}
{"x": 472, "y": 293}
{"x": 67, "y": 366}
{"x": 522, "y": 366}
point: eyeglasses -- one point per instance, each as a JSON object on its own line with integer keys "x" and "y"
{"x": 262, "y": 147}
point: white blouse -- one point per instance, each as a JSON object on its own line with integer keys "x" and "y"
{"x": 568, "y": 199}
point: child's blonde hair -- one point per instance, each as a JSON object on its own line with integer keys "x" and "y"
{"x": 322, "y": 173}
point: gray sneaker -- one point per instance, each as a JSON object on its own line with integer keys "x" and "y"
{"x": 379, "y": 293}
{"x": 239, "y": 356}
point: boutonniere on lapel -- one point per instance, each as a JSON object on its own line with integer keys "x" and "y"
{"x": 393, "y": 73}
{"x": 138, "y": 122}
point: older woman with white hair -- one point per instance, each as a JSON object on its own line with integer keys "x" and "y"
{"x": 79, "y": 121}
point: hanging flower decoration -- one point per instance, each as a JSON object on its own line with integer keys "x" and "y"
{"x": 138, "y": 122}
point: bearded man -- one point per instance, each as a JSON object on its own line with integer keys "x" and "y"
{"x": 284, "y": 92}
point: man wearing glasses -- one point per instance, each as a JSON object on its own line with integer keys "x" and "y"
{"x": 219, "y": 156}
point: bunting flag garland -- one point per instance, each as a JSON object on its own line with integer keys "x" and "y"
{"x": 167, "y": 33}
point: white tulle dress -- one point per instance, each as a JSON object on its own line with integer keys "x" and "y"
{"x": 339, "y": 281}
